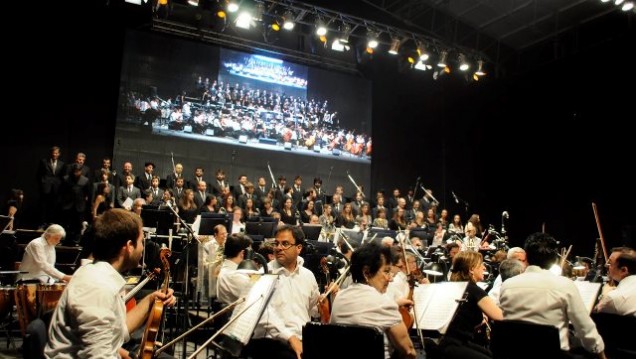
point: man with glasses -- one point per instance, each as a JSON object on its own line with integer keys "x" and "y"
{"x": 279, "y": 331}
{"x": 621, "y": 267}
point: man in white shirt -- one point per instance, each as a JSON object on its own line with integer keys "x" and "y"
{"x": 231, "y": 285}
{"x": 622, "y": 298}
{"x": 539, "y": 296}
{"x": 39, "y": 257}
{"x": 279, "y": 331}
{"x": 513, "y": 253}
{"x": 90, "y": 320}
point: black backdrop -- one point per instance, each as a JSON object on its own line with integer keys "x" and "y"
{"x": 542, "y": 145}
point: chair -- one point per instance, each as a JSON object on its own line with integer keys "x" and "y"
{"x": 35, "y": 340}
{"x": 615, "y": 331}
{"x": 354, "y": 341}
{"x": 517, "y": 339}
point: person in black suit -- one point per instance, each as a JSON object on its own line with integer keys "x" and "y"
{"x": 127, "y": 191}
{"x": 297, "y": 194}
{"x": 198, "y": 177}
{"x": 49, "y": 175}
{"x": 201, "y": 194}
{"x": 144, "y": 181}
{"x": 80, "y": 162}
{"x": 75, "y": 194}
{"x": 106, "y": 167}
{"x": 219, "y": 184}
{"x": 171, "y": 179}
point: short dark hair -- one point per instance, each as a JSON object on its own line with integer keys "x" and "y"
{"x": 113, "y": 229}
{"x": 296, "y": 232}
{"x": 541, "y": 250}
{"x": 235, "y": 244}
{"x": 368, "y": 258}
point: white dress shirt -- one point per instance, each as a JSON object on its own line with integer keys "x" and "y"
{"x": 90, "y": 318}
{"x": 621, "y": 300}
{"x": 231, "y": 285}
{"x": 292, "y": 305}
{"x": 39, "y": 261}
{"x": 363, "y": 305}
{"x": 539, "y": 296}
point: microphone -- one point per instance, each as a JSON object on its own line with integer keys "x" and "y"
{"x": 505, "y": 215}
{"x": 455, "y": 196}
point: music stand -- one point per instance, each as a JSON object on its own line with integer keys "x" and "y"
{"x": 210, "y": 220}
{"x": 312, "y": 231}
{"x": 264, "y": 229}
{"x": 160, "y": 218}
{"x": 4, "y": 222}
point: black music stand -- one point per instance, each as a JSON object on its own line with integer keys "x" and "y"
{"x": 210, "y": 220}
{"x": 264, "y": 226}
{"x": 159, "y": 217}
{"x": 312, "y": 231}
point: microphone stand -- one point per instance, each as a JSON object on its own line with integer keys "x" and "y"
{"x": 186, "y": 250}
{"x": 175, "y": 340}
{"x": 324, "y": 189}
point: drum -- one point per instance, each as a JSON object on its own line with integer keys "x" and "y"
{"x": 25, "y": 304}
{"x": 48, "y": 296}
{"x": 6, "y": 301}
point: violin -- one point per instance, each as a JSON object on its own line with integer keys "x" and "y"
{"x": 155, "y": 318}
{"x": 323, "y": 302}
{"x": 405, "y": 312}
{"x": 129, "y": 298}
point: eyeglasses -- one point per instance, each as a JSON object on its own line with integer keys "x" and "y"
{"x": 285, "y": 245}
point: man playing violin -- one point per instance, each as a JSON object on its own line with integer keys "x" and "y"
{"x": 90, "y": 320}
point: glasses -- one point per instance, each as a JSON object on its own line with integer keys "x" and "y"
{"x": 285, "y": 245}
{"x": 388, "y": 273}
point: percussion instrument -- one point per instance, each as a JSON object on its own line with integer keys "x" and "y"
{"x": 6, "y": 300}
{"x": 48, "y": 295}
{"x": 32, "y": 300}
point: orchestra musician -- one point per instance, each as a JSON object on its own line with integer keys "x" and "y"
{"x": 39, "y": 257}
{"x": 90, "y": 320}
{"x": 364, "y": 303}
{"x": 621, "y": 267}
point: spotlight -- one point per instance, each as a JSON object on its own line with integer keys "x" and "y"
{"x": 275, "y": 26}
{"x": 420, "y": 65}
{"x": 346, "y": 32}
{"x": 321, "y": 28}
{"x": 372, "y": 40}
{"x": 627, "y": 6}
{"x": 244, "y": 20}
{"x": 618, "y": 2}
{"x": 288, "y": 20}
{"x": 337, "y": 45}
{"x": 193, "y": 2}
{"x": 463, "y": 63}
{"x": 163, "y": 2}
{"x": 232, "y": 6}
{"x": 480, "y": 68}
{"x": 442, "y": 59}
{"x": 421, "y": 52}
{"x": 395, "y": 46}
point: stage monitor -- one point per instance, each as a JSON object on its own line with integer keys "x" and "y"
{"x": 312, "y": 231}
{"x": 264, "y": 228}
{"x": 210, "y": 220}
{"x": 162, "y": 219}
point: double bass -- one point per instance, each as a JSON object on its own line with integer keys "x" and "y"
{"x": 155, "y": 317}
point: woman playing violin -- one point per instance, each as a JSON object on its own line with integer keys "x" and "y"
{"x": 363, "y": 303}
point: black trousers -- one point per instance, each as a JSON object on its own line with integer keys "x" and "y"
{"x": 269, "y": 349}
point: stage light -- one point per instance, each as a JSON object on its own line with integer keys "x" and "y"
{"x": 337, "y": 45}
{"x": 244, "y": 20}
{"x": 372, "y": 40}
{"x": 422, "y": 66}
{"x": 442, "y": 59}
{"x": 480, "y": 68}
{"x": 321, "y": 28}
{"x": 346, "y": 32}
{"x": 627, "y": 6}
{"x": 260, "y": 10}
{"x": 288, "y": 20}
{"x": 163, "y": 2}
{"x": 275, "y": 26}
{"x": 395, "y": 46}
{"x": 421, "y": 52}
{"x": 605, "y": 0}
{"x": 232, "y": 6}
{"x": 193, "y": 2}
{"x": 618, "y": 2}
{"x": 463, "y": 63}
{"x": 322, "y": 39}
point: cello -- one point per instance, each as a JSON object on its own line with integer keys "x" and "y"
{"x": 155, "y": 317}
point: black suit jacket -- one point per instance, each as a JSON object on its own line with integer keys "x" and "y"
{"x": 48, "y": 179}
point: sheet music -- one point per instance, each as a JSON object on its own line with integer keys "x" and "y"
{"x": 127, "y": 203}
{"x": 436, "y": 303}
{"x": 243, "y": 327}
{"x": 589, "y": 293}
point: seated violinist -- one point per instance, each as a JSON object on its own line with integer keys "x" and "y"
{"x": 363, "y": 302}
{"x": 90, "y": 320}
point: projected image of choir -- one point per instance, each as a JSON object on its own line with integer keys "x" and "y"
{"x": 227, "y": 110}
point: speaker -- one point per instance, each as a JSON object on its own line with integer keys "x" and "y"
{"x": 288, "y": 146}
{"x": 187, "y": 128}
{"x": 243, "y": 139}
{"x": 267, "y": 141}
{"x": 316, "y": 148}
{"x": 209, "y": 132}
{"x": 336, "y": 152}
